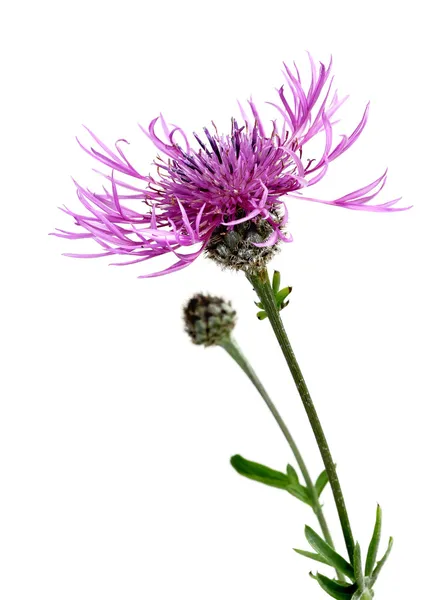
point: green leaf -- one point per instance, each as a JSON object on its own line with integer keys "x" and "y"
{"x": 276, "y": 282}
{"x": 259, "y": 304}
{"x": 313, "y": 556}
{"x": 259, "y": 472}
{"x": 321, "y": 482}
{"x": 336, "y": 589}
{"x": 332, "y": 557}
{"x": 381, "y": 562}
{"x": 263, "y": 474}
{"x": 292, "y": 474}
{"x": 262, "y": 315}
{"x": 280, "y": 296}
{"x": 358, "y": 569}
{"x": 374, "y": 543}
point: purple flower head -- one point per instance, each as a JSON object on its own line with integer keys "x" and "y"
{"x": 217, "y": 185}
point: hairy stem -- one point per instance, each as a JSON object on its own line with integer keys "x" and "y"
{"x": 261, "y": 284}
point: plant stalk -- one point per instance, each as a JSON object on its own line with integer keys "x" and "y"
{"x": 261, "y": 283}
{"x": 235, "y": 352}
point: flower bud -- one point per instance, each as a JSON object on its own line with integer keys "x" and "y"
{"x": 208, "y": 319}
{"x": 235, "y": 249}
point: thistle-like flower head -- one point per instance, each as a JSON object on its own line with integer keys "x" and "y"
{"x": 222, "y": 193}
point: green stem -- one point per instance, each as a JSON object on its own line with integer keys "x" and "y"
{"x": 235, "y": 352}
{"x": 261, "y": 284}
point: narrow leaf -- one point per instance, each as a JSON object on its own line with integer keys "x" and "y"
{"x": 374, "y": 543}
{"x": 321, "y": 482}
{"x": 381, "y": 562}
{"x": 332, "y": 557}
{"x": 276, "y": 282}
{"x": 336, "y": 589}
{"x": 259, "y": 472}
{"x": 313, "y": 556}
{"x": 280, "y": 296}
{"x": 262, "y": 315}
{"x": 292, "y": 474}
{"x": 259, "y": 304}
{"x": 358, "y": 569}
{"x": 263, "y": 474}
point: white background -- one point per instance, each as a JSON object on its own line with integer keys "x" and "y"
{"x": 116, "y": 432}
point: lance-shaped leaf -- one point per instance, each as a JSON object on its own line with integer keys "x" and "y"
{"x": 321, "y": 482}
{"x": 276, "y": 282}
{"x": 336, "y": 589}
{"x": 259, "y": 472}
{"x": 358, "y": 569}
{"x": 374, "y": 543}
{"x": 313, "y": 556}
{"x": 381, "y": 563}
{"x": 263, "y": 474}
{"x": 328, "y": 553}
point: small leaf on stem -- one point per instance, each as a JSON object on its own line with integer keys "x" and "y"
{"x": 263, "y": 474}
{"x": 292, "y": 474}
{"x": 374, "y": 543}
{"x": 262, "y": 315}
{"x": 335, "y": 559}
{"x": 276, "y": 282}
{"x": 281, "y": 296}
{"x": 321, "y": 482}
{"x": 313, "y": 556}
{"x": 358, "y": 569}
{"x": 381, "y": 562}
{"x": 336, "y": 589}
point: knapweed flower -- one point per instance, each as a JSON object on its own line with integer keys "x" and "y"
{"x": 221, "y": 193}
{"x": 208, "y": 319}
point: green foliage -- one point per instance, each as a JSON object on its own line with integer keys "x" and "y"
{"x": 381, "y": 562}
{"x": 276, "y": 282}
{"x": 321, "y": 482}
{"x": 313, "y": 556}
{"x": 358, "y": 569}
{"x": 363, "y": 581}
{"x": 336, "y": 589}
{"x": 292, "y": 474}
{"x": 279, "y": 295}
{"x": 374, "y": 543}
{"x": 284, "y": 481}
{"x": 326, "y": 552}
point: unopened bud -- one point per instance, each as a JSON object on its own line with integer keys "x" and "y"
{"x": 208, "y": 319}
